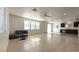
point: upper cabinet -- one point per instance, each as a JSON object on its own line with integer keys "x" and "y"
{"x": 76, "y": 24}
{"x": 62, "y": 24}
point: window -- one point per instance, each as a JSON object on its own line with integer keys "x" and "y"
{"x": 31, "y": 25}
{"x": 37, "y": 25}
{"x": 2, "y": 25}
{"x": 26, "y": 24}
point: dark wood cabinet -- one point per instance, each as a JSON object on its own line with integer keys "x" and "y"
{"x": 69, "y": 31}
{"x": 76, "y": 24}
{"x": 62, "y": 24}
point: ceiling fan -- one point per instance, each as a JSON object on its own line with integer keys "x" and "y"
{"x": 46, "y": 15}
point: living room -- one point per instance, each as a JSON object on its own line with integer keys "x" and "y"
{"x": 44, "y": 23}
{"x": 39, "y": 29}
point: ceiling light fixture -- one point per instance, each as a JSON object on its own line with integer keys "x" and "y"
{"x": 34, "y": 9}
{"x": 65, "y": 14}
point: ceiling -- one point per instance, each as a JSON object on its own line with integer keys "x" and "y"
{"x": 59, "y": 14}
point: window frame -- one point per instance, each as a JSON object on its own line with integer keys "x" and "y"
{"x": 30, "y": 25}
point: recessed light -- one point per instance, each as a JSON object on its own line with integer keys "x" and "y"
{"x": 65, "y": 14}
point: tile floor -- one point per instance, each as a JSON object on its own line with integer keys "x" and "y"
{"x": 45, "y": 43}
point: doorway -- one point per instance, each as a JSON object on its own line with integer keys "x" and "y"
{"x": 48, "y": 28}
{"x": 53, "y": 28}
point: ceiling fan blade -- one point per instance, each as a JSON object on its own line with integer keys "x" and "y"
{"x": 47, "y": 15}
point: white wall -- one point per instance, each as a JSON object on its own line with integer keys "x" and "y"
{"x": 4, "y": 36}
{"x": 17, "y": 23}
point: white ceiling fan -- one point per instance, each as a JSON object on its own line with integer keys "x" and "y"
{"x": 47, "y": 14}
